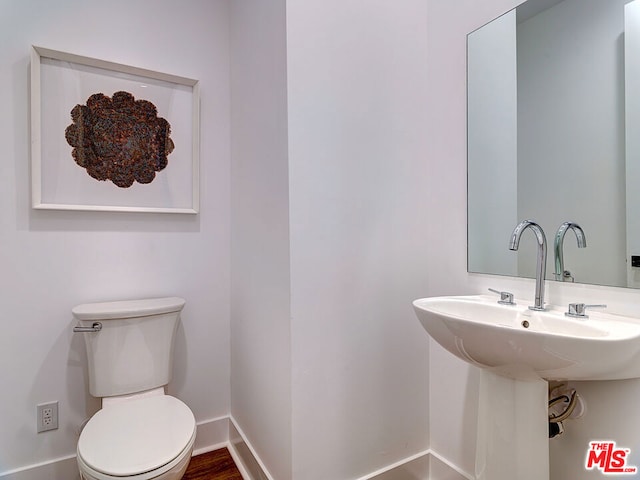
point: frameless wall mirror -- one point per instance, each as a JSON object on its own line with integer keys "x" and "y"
{"x": 554, "y": 136}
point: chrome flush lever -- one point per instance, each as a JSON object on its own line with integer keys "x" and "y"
{"x": 578, "y": 310}
{"x": 506, "y": 298}
{"x": 96, "y": 327}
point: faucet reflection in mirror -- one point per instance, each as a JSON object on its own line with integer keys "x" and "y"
{"x": 561, "y": 274}
{"x": 541, "y": 265}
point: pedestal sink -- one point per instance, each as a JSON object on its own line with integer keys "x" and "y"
{"x": 518, "y": 349}
{"x": 517, "y": 342}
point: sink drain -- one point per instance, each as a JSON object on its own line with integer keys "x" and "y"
{"x": 525, "y": 323}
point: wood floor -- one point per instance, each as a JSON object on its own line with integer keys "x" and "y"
{"x": 216, "y": 465}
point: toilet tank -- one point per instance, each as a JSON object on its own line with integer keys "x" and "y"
{"x": 133, "y": 351}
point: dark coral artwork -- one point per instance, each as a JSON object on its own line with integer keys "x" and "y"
{"x": 119, "y": 139}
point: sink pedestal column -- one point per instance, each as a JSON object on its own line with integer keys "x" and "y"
{"x": 513, "y": 430}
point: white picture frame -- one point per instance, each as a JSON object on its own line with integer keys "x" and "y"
{"x": 59, "y": 82}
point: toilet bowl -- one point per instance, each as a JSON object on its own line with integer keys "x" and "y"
{"x": 140, "y": 432}
{"x": 141, "y": 438}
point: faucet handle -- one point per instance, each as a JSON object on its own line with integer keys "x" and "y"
{"x": 578, "y": 310}
{"x": 506, "y": 298}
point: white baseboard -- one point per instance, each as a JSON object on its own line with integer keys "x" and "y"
{"x": 224, "y": 432}
{"x": 441, "y": 469}
{"x": 427, "y": 465}
{"x": 245, "y": 457}
{"x": 65, "y": 468}
{"x": 413, "y": 467}
{"x": 212, "y": 434}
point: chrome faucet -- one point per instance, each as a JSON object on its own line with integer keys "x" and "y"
{"x": 561, "y": 274}
{"x": 542, "y": 257}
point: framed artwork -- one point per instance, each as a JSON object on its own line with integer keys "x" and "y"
{"x": 111, "y": 137}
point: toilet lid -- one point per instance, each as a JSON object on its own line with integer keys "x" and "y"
{"x": 136, "y": 436}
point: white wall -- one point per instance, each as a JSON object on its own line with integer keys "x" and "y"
{"x": 357, "y": 88}
{"x": 329, "y": 365}
{"x": 260, "y": 317}
{"x": 51, "y": 261}
{"x": 367, "y": 213}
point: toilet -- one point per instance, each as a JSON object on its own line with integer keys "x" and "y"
{"x": 140, "y": 432}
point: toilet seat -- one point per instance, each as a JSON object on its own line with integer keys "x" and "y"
{"x": 140, "y": 438}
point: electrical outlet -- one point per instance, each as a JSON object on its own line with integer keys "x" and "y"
{"x": 47, "y": 416}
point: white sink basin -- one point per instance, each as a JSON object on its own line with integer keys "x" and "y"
{"x": 517, "y": 342}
